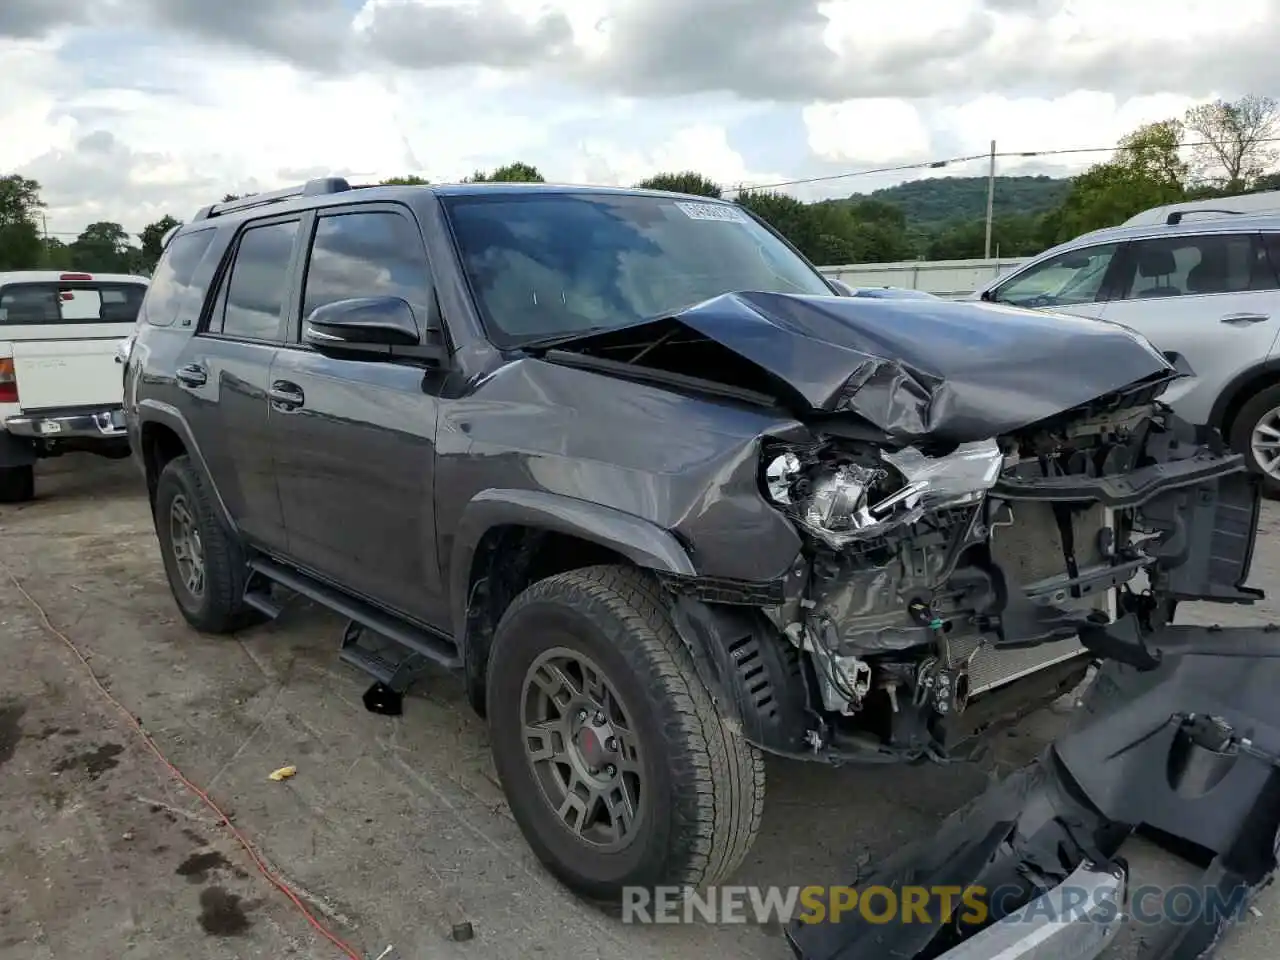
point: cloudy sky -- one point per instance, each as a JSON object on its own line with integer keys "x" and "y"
{"x": 128, "y": 109}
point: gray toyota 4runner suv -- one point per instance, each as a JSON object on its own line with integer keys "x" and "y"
{"x": 667, "y": 502}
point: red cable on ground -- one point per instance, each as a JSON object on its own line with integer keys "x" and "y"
{"x": 275, "y": 881}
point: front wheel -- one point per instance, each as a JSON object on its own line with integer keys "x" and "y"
{"x": 616, "y": 764}
{"x": 1256, "y": 434}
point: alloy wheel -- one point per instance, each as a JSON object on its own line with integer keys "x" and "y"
{"x": 188, "y": 549}
{"x": 1265, "y": 443}
{"x": 583, "y": 748}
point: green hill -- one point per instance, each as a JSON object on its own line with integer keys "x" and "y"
{"x": 936, "y": 201}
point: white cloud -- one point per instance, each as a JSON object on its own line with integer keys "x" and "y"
{"x": 875, "y": 131}
{"x": 202, "y": 99}
{"x": 28, "y": 95}
{"x": 704, "y": 148}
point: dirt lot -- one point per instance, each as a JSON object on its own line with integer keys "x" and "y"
{"x": 392, "y": 831}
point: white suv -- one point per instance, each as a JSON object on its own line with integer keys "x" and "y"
{"x": 1207, "y": 289}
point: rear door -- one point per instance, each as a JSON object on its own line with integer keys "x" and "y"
{"x": 1212, "y": 297}
{"x": 222, "y": 373}
{"x": 62, "y": 336}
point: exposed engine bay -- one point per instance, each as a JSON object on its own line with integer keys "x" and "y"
{"x": 922, "y": 563}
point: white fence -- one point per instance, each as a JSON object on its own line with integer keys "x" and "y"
{"x": 945, "y": 278}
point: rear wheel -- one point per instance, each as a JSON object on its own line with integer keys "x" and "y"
{"x": 1256, "y": 434}
{"x": 17, "y": 484}
{"x": 204, "y": 563}
{"x": 614, "y": 760}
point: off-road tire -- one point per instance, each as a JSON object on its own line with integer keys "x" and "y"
{"x": 220, "y": 608}
{"x": 17, "y": 484}
{"x": 704, "y": 785}
{"x": 1242, "y": 430}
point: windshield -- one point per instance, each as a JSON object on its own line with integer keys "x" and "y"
{"x": 543, "y": 265}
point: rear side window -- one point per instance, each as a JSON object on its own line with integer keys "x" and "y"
{"x": 1272, "y": 243}
{"x": 257, "y": 288}
{"x": 1192, "y": 266}
{"x": 70, "y": 301}
{"x": 172, "y": 288}
{"x": 371, "y": 254}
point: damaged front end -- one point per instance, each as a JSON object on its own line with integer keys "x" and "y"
{"x": 935, "y": 580}
{"x": 987, "y": 498}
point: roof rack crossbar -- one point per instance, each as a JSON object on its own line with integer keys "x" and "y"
{"x": 312, "y": 188}
{"x": 1175, "y": 218}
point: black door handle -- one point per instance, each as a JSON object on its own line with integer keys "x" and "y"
{"x": 285, "y": 395}
{"x": 193, "y": 375}
{"x": 1246, "y": 318}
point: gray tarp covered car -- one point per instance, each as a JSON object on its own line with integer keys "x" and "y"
{"x": 1179, "y": 734}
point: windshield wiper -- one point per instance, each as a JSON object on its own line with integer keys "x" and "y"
{"x": 540, "y": 343}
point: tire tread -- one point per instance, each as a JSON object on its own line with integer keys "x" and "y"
{"x": 224, "y": 610}
{"x": 717, "y": 777}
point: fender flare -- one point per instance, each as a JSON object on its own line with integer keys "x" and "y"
{"x": 642, "y": 542}
{"x": 166, "y": 415}
{"x": 1228, "y": 395}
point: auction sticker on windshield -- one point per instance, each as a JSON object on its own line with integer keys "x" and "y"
{"x": 710, "y": 211}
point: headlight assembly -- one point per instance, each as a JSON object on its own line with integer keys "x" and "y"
{"x": 843, "y": 499}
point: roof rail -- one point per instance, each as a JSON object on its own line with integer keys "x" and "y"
{"x": 312, "y": 188}
{"x": 1175, "y": 218}
{"x": 168, "y": 236}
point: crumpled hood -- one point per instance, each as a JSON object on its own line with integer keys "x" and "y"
{"x": 915, "y": 369}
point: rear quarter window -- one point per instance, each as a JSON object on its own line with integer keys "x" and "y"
{"x": 77, "y": 301}
{"x": 175, "y": 289}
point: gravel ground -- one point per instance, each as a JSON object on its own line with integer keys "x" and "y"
{"x": 392, "y": 831}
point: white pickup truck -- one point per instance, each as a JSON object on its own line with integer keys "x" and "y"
{"x": 61, "y": 388}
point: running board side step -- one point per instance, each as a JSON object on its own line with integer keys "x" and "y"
{"x": 428, "y": 645}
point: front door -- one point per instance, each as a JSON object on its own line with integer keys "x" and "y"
{"x": 1071, "y": 282}
{"x": 354, "y": 438}
{"x": 1211, "y": 297}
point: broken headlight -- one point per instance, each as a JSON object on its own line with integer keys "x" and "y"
{"x": 840, "y": 499}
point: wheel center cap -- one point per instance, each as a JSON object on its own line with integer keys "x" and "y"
{"x": 590, "y": 744}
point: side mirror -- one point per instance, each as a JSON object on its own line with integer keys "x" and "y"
{"x": 988, "y": 296}
{"x": 841, "y": 288}
{"x": 361, "y": 323}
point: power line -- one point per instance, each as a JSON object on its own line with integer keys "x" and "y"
{"x": 939, "y": 164}
{"x": 899, "y": 168}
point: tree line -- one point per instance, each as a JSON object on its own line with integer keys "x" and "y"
{"x": 1219, "y": 149}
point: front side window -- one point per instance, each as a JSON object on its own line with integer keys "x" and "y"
{"x": 374, "y": 254}
{"x": 257, "y": 288}
{"x": 546, "y": 264}
{"x": 70, "y": 301}
{"x": 171, "y": 286}
{"x": 1069, "y": 278}
{"x": 1197, "y": 265}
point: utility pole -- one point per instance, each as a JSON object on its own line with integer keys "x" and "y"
{"x": 991, "y": 197}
